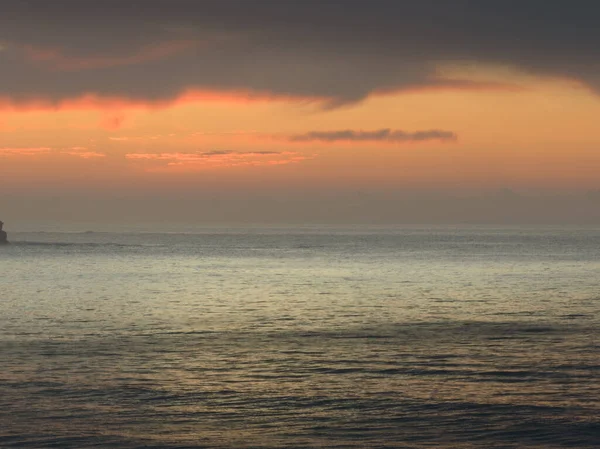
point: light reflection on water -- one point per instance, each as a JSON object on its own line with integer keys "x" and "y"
{"x": 385, "y": 338}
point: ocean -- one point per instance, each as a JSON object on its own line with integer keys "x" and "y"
{"x": 308, "y": 337}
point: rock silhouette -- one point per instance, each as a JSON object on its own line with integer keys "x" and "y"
{"x": 3, "y": 235}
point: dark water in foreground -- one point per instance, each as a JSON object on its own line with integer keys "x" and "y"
{"x": 445, "y": 338}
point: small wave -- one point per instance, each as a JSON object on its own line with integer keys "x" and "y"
{"x": 74, "y": 244}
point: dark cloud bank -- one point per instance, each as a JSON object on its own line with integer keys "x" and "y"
{"x": 339, "y": 50}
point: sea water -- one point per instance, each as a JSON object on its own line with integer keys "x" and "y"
{"x": 307, "y": 337}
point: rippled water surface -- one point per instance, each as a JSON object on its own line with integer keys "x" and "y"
{"x": 341, "y": 338}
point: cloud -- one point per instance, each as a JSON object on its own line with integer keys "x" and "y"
{"x": 141, "y": 138}
{"x": 24, "y": 151}
{"x": 56, "y": 60}
{"x": 77, "y": 151}
{"x": 214, "y": 158}
{"x": 83, "y": 152}
{"x": 380, "y": 135}
{"x": 336, "y": 51}
{"x": 197, "y": 156}
{"x": 246, "y": 153}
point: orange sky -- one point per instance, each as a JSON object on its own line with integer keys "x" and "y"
{"x": 538, "y": 134}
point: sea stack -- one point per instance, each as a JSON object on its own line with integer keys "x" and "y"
{"x": 3, "y": 235}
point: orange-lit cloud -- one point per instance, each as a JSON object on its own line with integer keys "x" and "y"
{"x": 81, "y": 152}
{"x": 214, "y": 159}
{"x": 25, "y": 151}
{"x": 108, "y": 104}
{"x": 94, "y": 101}
{"x": 141, "y": 138}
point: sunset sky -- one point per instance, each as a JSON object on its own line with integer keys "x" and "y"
{"x": 281, "y": 111}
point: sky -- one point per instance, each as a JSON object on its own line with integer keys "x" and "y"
{"x": 299, "y": 112}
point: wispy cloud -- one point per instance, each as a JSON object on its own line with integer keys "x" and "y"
{"x": 76, "y": 151}
{"x": 141, "y": 138}
{"x": 380, "y": 135}
{"x": 82, "y": 152}
{"x": 60, "y": 61}
{"x": 215, "y": 158}
{"x": 24, "y": 151}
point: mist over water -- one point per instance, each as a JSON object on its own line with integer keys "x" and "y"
{"x": 316, "y": 337}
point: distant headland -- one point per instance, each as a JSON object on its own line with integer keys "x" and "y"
{"x": 3, "y": 235}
